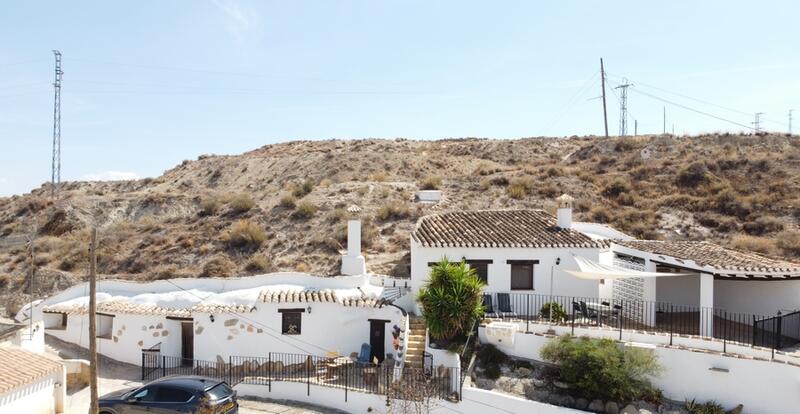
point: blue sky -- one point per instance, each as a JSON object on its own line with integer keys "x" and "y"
{"x": 150, "y": 83}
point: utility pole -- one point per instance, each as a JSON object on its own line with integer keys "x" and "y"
{"x": 603, "y": 85}
{"x": 32, "y": 274}
{"x": 757, "y": 122}
{"x": 635, "y": 127}
{"x": 93, "y": 408}
{"x": 55, "y": 177}
{"x": 790, "y": 121}
{"x": 664, "y": 130}
{"x": 623, "y": 107}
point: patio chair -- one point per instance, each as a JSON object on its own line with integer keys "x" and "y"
{"x": 488, "y": 308}
{"x": 504, "y": 305}
{"x": 587, "y": 313}
{"x": 363, "y": 356}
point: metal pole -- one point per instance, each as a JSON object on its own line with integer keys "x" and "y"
{"x": 230, "y": 370}
{"x": 670, "y": 324}
{"x": 573, "y": 316}
{"x": 603, "y": 85}
{"x": 528, "y": 313}
{"x": 142, "y": 366}
{"x": 94, "y": 402}
{"x": 346, "y": 379}
{"x": 269, "y": 372}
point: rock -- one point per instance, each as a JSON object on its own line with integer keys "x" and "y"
{"x": 596, "y": 406}
{"x": 523, "y": 372}
{"x": 485, "y": 383}
{"x": 568, "y": 401}
{"x": 612, "y": 408}
{"x": 539, "y": 383}
{"x": 736, "y": 410}
{"x": 630, "y": 409}
{"x": 581, "y": 403}
{"x": 646, "y": 406}
{"x": 560, "y": 385}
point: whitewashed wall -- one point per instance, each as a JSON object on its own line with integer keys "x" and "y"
{"x": 30, "y": 337}
{"x": 757, "y": 297}
{"x": 679, "y": 290}
{"x": 329, "y": 327}
{"x": 44, "y": 396}
{"x": 499, "y": 271}
{"x": 130, "y": 334}
{"x": 764, "y": 387}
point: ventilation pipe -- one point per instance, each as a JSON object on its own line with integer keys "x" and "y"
{"x": 353, "y": 262}
{"x": 564, "y": 213}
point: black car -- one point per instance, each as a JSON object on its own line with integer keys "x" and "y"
{"x": 174, "y": 394}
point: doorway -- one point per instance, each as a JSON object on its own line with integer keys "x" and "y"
{"x": 187, "y": 343}
{"x": 377, "y": 339}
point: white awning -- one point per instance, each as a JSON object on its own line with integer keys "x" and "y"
{"x": 595, "y": 271}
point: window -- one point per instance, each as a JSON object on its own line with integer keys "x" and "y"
{"x": 55, "y": 320}
{"x": 145, "y": 394}
{"x": 220, "y": 392}
{"x": 291, "y": 320}
{"x": 481, "y": 269}
{"x": 522, "y": 276}
{"x": 172, "y": 395}
{"x": 105, "y": 325}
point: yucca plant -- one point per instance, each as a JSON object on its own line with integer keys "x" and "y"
{"x": 451, "y": 300}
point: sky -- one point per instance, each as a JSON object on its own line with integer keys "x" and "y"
{"x": 148, "y": 84}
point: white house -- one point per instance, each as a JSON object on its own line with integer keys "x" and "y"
{"x": 30, "y": 383}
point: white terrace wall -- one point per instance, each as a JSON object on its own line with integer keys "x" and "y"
{"x": 757, "y": 297}
{"x": 329, "y": 327}
{"x": 44, "y": 396}
{"x": 130, "y": 334}
{"x": 499, "y": 271}
{"x": 474, "y": 401}
{"x": 762, "y": 386}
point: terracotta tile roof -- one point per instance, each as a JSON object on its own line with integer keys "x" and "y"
{"x": 21, "y": 367}
{"x": 119, "y": 306}
{"x": 498, "y": 228}
{"x": 723, "y": 259}
{"x": 8, "y": 329}
{"x": 310, "y": 295}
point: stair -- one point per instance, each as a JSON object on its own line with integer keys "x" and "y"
{"x": 416, "y": 342}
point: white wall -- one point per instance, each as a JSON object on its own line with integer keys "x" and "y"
{"x": 764, "y": 387}
{"x": 39, "y": 397}
{"x": 329, "y": 327}
{"x": 130, "y": 334}
{"x": 474, "y": 400}
{"x": 757, "y": 297}
{"x": 679, "y": 290}
{"x": 30, "y": 337}
{"x": 499, "y": 271}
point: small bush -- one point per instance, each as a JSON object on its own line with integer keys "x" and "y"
{"x": 558, "y": 313}
{"x": 303, "y": 189}
{"x": 693, "y": 175}
{"x": 392, "y": 212}
{"x": 5, "y": 280}
{"x": 708, "y": 407}
{"x": 492, "y": 371}
{"x": 601, "y": 214}
{"x": 763, "y": 225}
{"x": 616, "y": 187}
{"x": 517, "y": 191}
{"x": 218, "y": 266}
{"x": 488, "y": 354}
{"x": 304, "y": 211}
{"x": 245, "y": 234}
{"x": 789, "y": 242}
{"x": 209, "y": 206}
{"x": 241, "y": 203}
{"x": 288, "y": 202}
{"x": 257, "y": 264}
{"x": 431, "y": 183}
{"x": 601, "y": 368}
{"x": 729, "y": 203}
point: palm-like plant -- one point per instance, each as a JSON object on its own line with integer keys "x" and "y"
{"x": 451, "y": 300}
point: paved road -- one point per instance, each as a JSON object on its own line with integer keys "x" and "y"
{"x": 281, "y": 407}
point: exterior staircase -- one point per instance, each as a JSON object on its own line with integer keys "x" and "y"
{"x": 416, "y": 342}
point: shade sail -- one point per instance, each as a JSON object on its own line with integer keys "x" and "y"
{"x": 595, "y": 271}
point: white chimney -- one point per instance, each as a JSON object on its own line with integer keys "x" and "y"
{"x": 353, "y": 262}
{"x": 564, "y": 213}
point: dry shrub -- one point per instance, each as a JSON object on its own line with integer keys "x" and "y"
{"x": 392, "y": 212}
{"x": 431, "y": 183}
{"x": 693, "y": 175}
{"x": 379, "y": 176}
{"x": 218, "y": 266}
{"x": 303, "y": 189}
{"x": 616, "y": 187}
{"x": 729, "y": 203}
{"x": 245, "y": 234}
{"x": 288, "y": 202}
{"x": 258, "y": 264}
{"x": 241, "y": 203}
{"x": 209, "y": 206}
{"x": 165, "y": 271}
{"x": 304, "y": 211}
{"x": 520, "y": 187}
{"x": 762, "y": 226}
{"x": 756, "y": 244}
{"x": 5, "y": 280}
{"x": 601, "y": 214}
{"x": 789, "y": 242}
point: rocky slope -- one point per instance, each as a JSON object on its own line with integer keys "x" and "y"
{"x": 282, "y": 207}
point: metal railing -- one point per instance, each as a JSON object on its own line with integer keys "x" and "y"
{"x": 342, "y": 373}
{"x": 780, "y": 331}
{"x": 640, "y": 315}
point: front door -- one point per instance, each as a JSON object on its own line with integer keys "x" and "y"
{"x": 377, "y": 339}
{"x": 187, "y": 343}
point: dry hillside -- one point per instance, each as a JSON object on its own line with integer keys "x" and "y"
{"x": 282, "y": 207}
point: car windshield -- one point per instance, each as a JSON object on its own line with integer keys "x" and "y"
{"x": 219, "y": 392}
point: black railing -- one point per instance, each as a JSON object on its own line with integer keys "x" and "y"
{"x": 780, "y": 331}
{"x": 343, "y": 373}
{"x": 640, "y": 315}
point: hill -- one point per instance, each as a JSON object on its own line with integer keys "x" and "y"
{"x": 283, "y": 206}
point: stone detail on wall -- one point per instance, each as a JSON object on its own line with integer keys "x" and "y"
{"x": 160, "y": 326}
{"x": 164, "y": 333}
{"x": 231, "y": 322}
{"x": 230, "y": 337}
{"x": 155, "y": 334}
{"x": 140, "y": 343}
{"x": 116, "y": 338}
{"x": 199, "y": 330}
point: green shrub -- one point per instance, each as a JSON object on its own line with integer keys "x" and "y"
{"x": 492, "y": 372}
{"x": 601, "y": 368}
{"x": 708, "y": 407}
{"x": 304, "y": 210}
{"x": 488, "y": 354}
{"x": 241, "y": 203}
{"x": 303, "y": 189}
{"x": 245, "y": 234}
{"x": 431, "y": 183}
{"x": 558, "y": 311}
{"x": 288, "y": 202}
{"x": 451, "y": 300}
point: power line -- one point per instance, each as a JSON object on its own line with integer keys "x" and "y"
{"x": 790, "y": 121}
{"x": 623, "y": 107}
{"x": 588, "y": 84}
{"x": 691, "y": 109}
{"x": 757, "y": 122}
